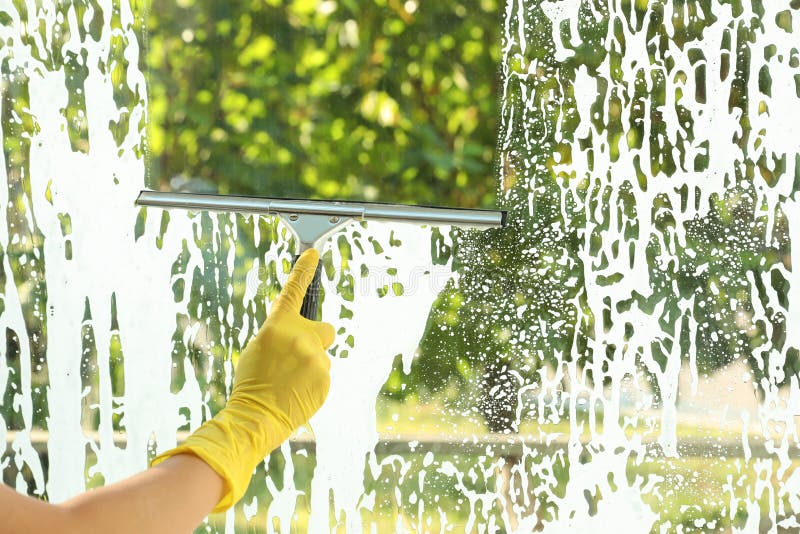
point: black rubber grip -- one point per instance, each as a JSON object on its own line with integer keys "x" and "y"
{"x": 310, "y": 308}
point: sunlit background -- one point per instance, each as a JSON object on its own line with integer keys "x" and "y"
{"x": 625, "y": 353}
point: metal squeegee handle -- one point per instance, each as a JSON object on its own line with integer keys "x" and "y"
{"x": 467, "y": 218}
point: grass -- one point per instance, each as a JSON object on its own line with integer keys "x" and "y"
{"x": 693, "y": 493}
{"x": 689, "y": 494}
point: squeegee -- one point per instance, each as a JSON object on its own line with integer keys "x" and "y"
{"x": 313, "y": 221}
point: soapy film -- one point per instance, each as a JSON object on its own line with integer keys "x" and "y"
{"x": 661, "y": 135}
{"x": 650, "y": 155}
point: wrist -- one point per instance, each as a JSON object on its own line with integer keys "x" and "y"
{"x": 263, "y": 427}
{"x": 232, "y": 443}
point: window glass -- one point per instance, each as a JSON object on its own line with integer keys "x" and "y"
{"x": 624, "y": 353}
{"x": 380, "y": 101}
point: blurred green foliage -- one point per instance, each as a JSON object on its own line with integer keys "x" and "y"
{"x": 381, "y": 100}
{"x": 522, "y": 301}
{"x": 396, "y": 101}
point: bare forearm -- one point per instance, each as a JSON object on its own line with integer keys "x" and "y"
{"x": 27, "y": 515}
{"x": 170, "y": 498}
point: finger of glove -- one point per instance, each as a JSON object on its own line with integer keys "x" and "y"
{"x": 293, "y": 292}
{"x": 325, "y": 331}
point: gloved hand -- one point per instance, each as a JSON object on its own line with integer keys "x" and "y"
{"x": 281, "y": 380}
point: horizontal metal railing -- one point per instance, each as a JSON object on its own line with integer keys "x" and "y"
{"x": 492, "y": 444}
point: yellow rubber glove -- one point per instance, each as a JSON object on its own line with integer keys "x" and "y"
{"x": 281, "y": 380}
